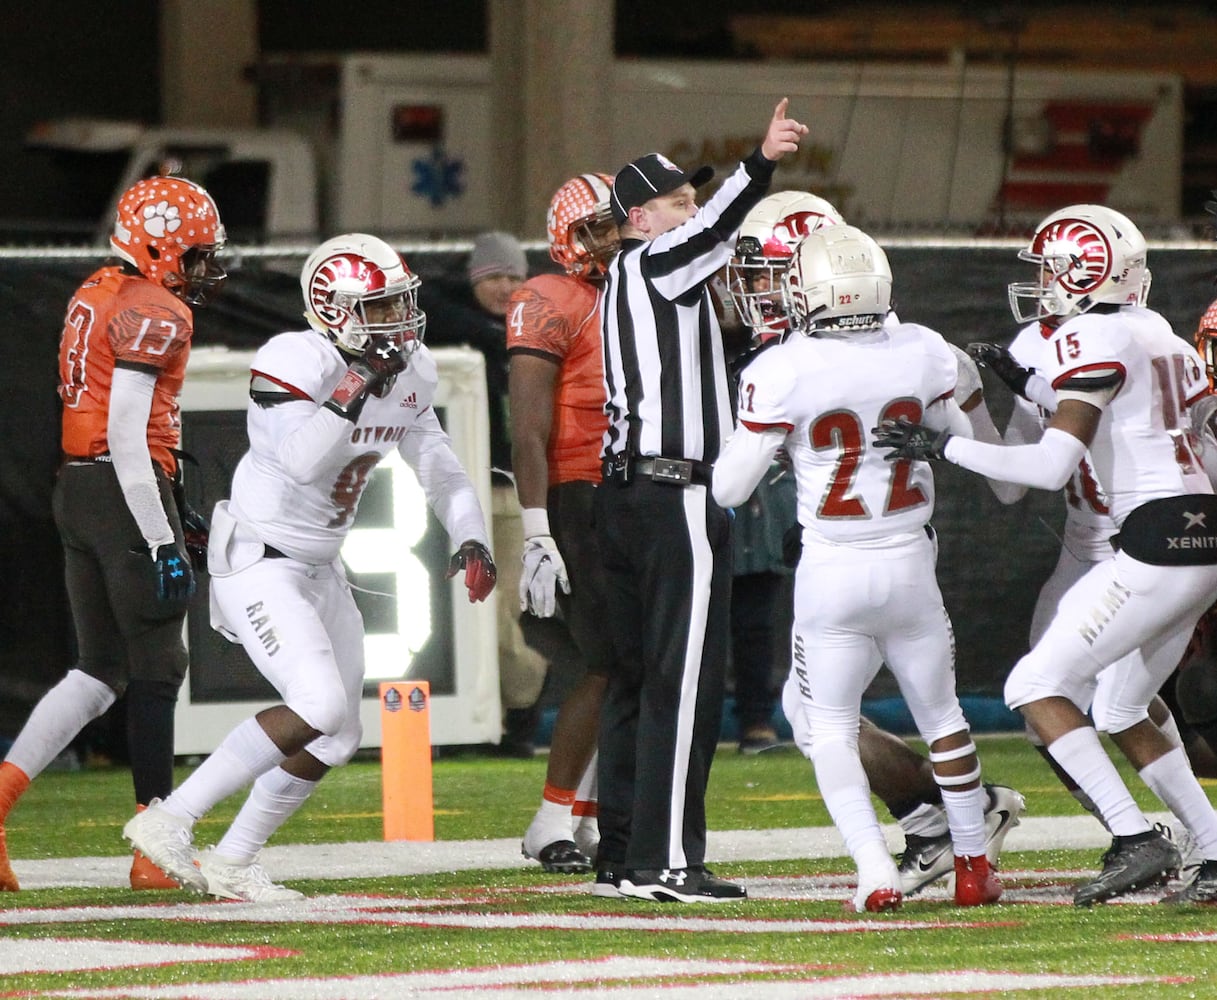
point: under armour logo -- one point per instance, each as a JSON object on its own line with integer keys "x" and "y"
{"x": 674, "y": 877}
{"x": 1194, "y": 520}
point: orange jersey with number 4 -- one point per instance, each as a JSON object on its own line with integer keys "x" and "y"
{"x": 559, "y": 316}
{"x": 118, "y": 319}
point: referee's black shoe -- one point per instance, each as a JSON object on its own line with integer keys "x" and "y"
{"x": 679, "y": 885}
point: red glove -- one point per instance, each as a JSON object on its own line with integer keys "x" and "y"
{"x": 480, "y": 575}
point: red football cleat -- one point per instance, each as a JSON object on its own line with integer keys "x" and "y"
{"x": 975, "y": 882}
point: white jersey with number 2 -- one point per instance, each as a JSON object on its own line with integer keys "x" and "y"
{"x": 828, "y": 392}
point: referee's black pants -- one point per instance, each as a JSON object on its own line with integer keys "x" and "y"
{"x": 667, "y": 560}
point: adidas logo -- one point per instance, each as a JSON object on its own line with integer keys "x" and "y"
{"x": 411, "y": 401}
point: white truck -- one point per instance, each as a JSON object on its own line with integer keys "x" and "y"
{"x": 410, "y": 151}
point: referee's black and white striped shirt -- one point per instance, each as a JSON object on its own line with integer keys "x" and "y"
{"x": 664, "y": 371}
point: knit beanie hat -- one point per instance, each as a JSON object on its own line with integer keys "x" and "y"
{"x": 494, "y": 254}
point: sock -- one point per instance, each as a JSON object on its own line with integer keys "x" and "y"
{"x": 846, "y": 794}
{"x": 276, "y": 795}
{"x": 13, "y": 783}
{"x": 57, "y": 719}
{"x": 1081, "y": 755}
{"x": 555, "y": 811}
{"x": 1170, "y": 778}
{"x": 924, "y": 820}
{"x": 586, "y": 795}
{"x": 150, "y": 709}
{"x": 245, "y": 754}
{"x": 966, "y": 815}
{"x": 1084, "y": 801}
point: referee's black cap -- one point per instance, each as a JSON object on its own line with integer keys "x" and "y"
{"x": 649, "y": 177}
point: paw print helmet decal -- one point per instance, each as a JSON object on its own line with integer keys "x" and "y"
{"x": 170, "y": 231}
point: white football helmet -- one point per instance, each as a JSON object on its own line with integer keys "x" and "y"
{"x": 1086, "y": 254}
{"x": 346, "y": 273}
{"x": 839, "y": 279}
{"x": 764, "y": 248}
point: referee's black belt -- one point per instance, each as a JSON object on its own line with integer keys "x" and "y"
{"x": 622, "y": 469}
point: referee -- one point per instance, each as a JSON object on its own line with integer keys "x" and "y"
{"x": 664, "y": 541}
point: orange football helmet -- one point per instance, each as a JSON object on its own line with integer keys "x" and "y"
{"x": 582, "y": 234}
{"x": 169, "y": 229}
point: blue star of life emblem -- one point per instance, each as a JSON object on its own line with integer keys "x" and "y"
{"x": 438, "y": 177}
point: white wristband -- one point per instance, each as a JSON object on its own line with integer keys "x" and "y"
{"x": 535, "y": 521}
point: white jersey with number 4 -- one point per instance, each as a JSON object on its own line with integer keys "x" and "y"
{"x": 828, "y": 392}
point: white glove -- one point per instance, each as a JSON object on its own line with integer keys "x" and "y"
{"x": 544, "y": 571}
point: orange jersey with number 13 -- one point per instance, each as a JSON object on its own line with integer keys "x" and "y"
{"x": 124, "y": 320}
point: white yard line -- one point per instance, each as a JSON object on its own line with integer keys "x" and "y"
{"x": 378, "y": 858}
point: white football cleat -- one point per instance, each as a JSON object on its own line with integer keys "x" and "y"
{"x": 167, "y": 842}
{"x": 227, "y": 879}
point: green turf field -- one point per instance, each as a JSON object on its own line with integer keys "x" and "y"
{"x": 517, "y": 932}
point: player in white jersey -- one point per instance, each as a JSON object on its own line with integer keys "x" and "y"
{"x": 901, "y": 778}
{"x": 327, "y": 405}
{"x": 864, "y": 587}
{"x": 1124, "y": 383}
{"x": 1085, "y": 537}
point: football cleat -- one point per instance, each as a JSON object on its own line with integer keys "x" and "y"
{"x": 1130, "y": 863}
{"x": 679, "y": 885}
{"x": 587, "y": 836}
{"x": 975, "y": 882}
{"x": 227, "y": 879}
{"x": 1200, "y": 891}
{"x": 166, "y": 841}
{"x": 145, "y": 875}
{"x": 560, "y": 856}
{"x": 882, "y": 900}
{"x": 1002, "y": 815}
{"x": 608, "y": 881}
{"x": 925, "y": 860}
{"x": 8, "y": 880}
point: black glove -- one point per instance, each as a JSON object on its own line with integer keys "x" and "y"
{"x": 908, "y": 440}
{"x": 480, "y": 574}
{"x": 381, "y": 361}
{"x": 174, "y": 577}
{"x": 1002, "y": 364}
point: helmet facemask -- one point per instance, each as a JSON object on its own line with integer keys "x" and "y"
{"x": 594, "y": 240}
{"x": 755, "y": 283}
{"x": 198, "y": 276}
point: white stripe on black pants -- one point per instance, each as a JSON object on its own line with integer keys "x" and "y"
{"x": 667, "y": 561}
